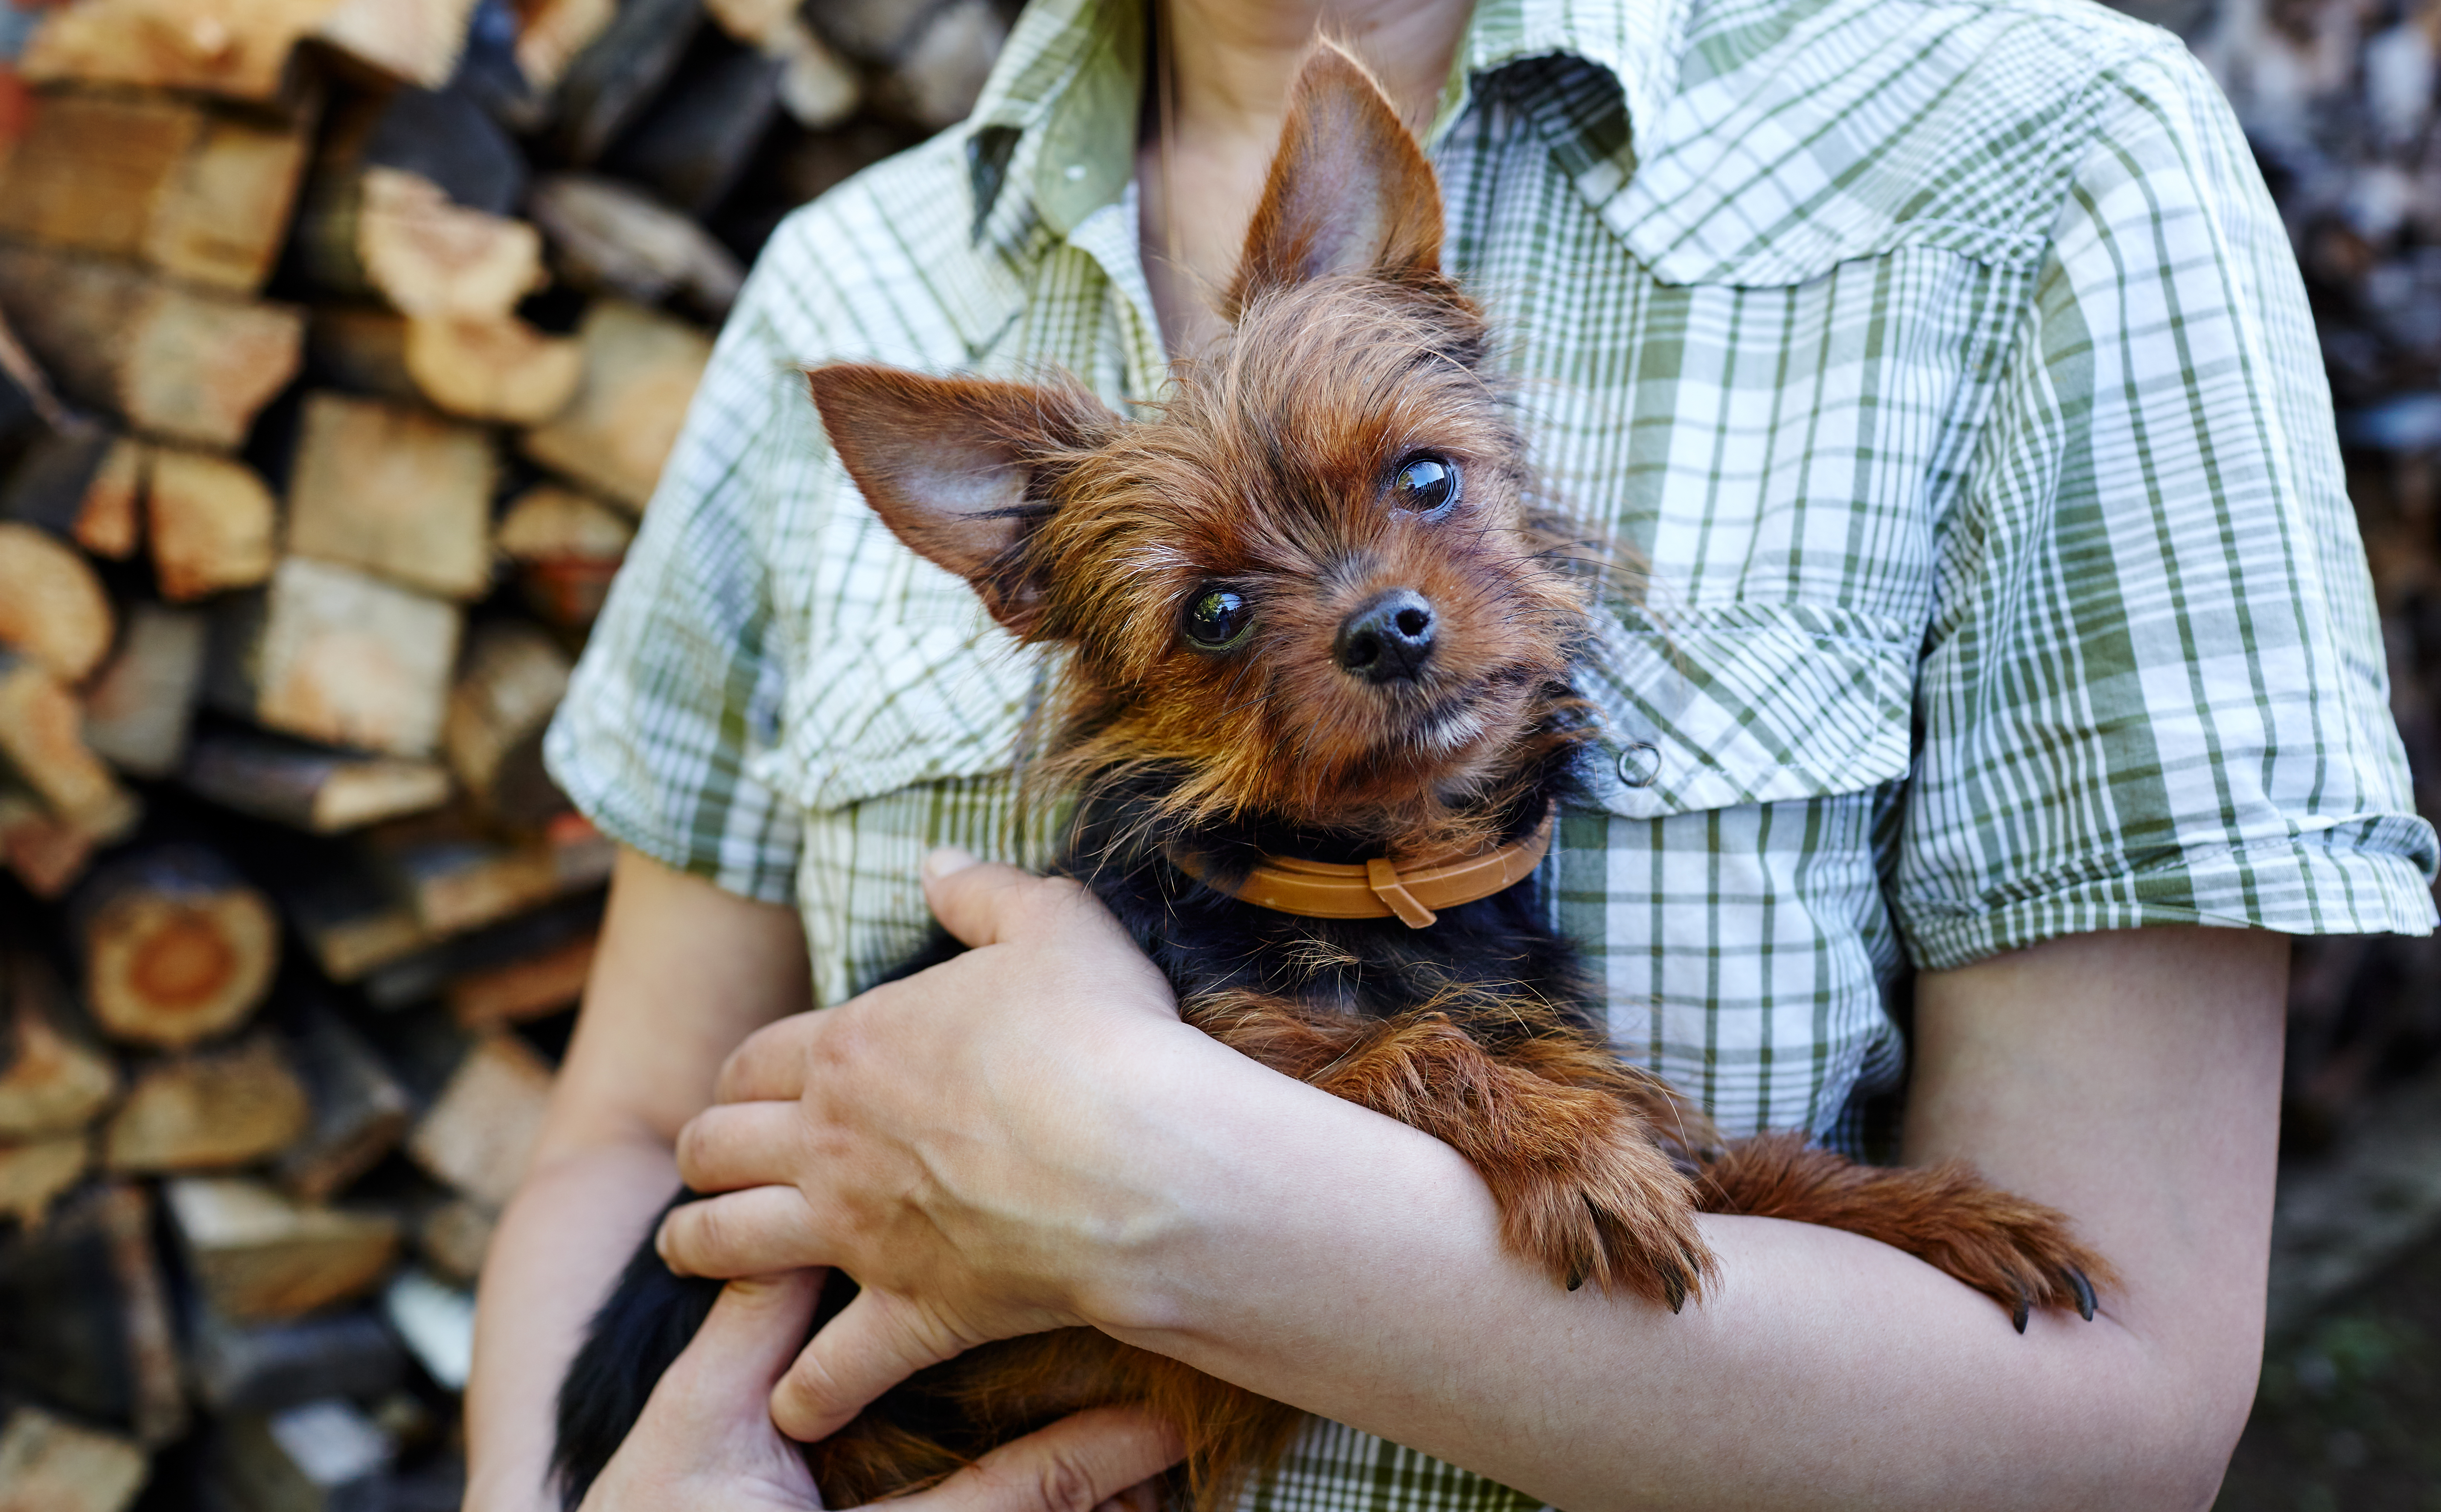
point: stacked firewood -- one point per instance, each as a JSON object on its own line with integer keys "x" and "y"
{"x": 341, "y": 342}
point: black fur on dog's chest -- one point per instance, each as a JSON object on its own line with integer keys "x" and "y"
{"x": 1495, "y": 949}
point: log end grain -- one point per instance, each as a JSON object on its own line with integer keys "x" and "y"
{"x": 52, "y": 607}
{"x": 481, "y": 1130}
{"x": 207, "y": 1112}
{"x": 177, "y": 948}
{"x": 48, "y": 1464}
{"x": 258, "y": 1255}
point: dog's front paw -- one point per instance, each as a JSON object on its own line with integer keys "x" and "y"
{"x": 1592, "y": 1199}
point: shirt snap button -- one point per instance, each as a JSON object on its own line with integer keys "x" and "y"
{"x": 1639, "y": 764}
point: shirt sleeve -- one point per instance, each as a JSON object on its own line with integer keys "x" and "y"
{"x": 2154, "y": 689}
{"x": 679, "y": 687}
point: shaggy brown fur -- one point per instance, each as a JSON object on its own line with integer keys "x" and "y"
{"x": 1271, "y": 473}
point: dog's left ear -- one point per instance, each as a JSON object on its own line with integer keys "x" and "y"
{"x": 958, "y": 468}
{"x": 1349, "y": 190}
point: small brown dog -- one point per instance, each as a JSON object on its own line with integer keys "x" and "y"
{"x": 1313, "y": 696}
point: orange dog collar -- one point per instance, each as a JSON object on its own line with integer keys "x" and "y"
{"x": 1378, "y": 889}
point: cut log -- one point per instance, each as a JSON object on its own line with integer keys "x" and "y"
{"x": 694, "y": 143}
{"x": 513, "y": 679}
{"x": 77, "y": 482}
{"x": 396, "y": 234}
{"x": 89, "y": 1314}
{"x": 88, "y": 174}
{"x": 242, "y": 48}
{"x": 197, "y": 195}
{"x": 454, "y": 1237}
{"x": 457, "y": 881}
{"x": 107, "y": 522}
{"x": 324, "y": 1456}
{"x": 605, "y": 87}
{"x": 640, "y": 371}
{"x": 207, "y": 1112}
{"x": 350, "y": 933}
{"x": 442, "y": 136}
{"x": 502, "y": 371}
{"x": 42, "y": 740}
{"x": 361, "y": 350}
{"x": 433, "y": 972}
{"x": 414, "y": 42}
{"x": 52, "y": 607}
{"x": 551, "y": 34}
{"x": 309, "y": 788}
{"x": 259, "y": 1256}
{"x": 45, "y": 853}
{"x": 335, "y": 656}
{"x": 221, "y": 217}
{"x": 611, "y": 238}
{"x": 177, "y": 947}
{"x": 480, "y": 1132}
{"x": 156, "y": 1388}
{"x": 818, "y": 87}
{"x": 52, "y": 1080}
{"x": 566, "y": 547}
{"x": 523, "y": 989}
{"x": 266, "y": 1367}
{"x": 139, "y": 710}
{"x": 48, "y": 1464}
{"x": 394, "y": 491}
{"x": 175, "y": 362}
{"x": 212, "y": 524}
{"x": 359, "y": 1109}
{"x": 38, "y": 1173}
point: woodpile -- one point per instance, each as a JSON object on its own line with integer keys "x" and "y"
{"x": 342, "y": 344}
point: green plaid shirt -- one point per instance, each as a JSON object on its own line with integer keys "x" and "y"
{"x": 1945, "y": 358}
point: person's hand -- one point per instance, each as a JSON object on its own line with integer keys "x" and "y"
{"x": 706, "y": 1440}
{"x": 970, "y": 1144}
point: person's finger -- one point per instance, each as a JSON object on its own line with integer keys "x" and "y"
{"x": 730, "y": 1145}
{"x": 770, "y": 1064}
{"x": 976, "y": 900}
{"x": 723, "y": 1378}
{"x": 1074, "y": 1466}
{"x": 876, "y": 1342}
{"x": 756, "y": 1231}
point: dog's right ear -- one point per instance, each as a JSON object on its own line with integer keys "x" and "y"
{"x": 958, "y": 468}
{"x": 1348, "y": 192}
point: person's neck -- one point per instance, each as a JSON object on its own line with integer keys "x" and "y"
{"x": 1232, "y": 60}
{"x": 1221, "y": 79}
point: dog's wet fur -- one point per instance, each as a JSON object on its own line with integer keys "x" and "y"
{"x": 1348, "y": 445}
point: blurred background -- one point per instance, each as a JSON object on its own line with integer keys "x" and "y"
{"x": 340, "y": 343}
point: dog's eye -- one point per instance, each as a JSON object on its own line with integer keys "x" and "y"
{"x": 1218, "y": 619}
{"x": 1424, "y": 485}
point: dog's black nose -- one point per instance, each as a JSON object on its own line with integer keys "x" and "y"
{"x": 1389, "y": 639}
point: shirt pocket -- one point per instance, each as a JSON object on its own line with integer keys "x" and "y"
{"x": 893, "y": 705}
{"x": 1750, "y": 703}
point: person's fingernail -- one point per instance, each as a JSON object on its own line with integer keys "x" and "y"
{"x": 944, "y": 861}
{"x": 661, "y": 1248}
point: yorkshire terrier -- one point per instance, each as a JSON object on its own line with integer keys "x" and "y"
{"x": 1313, "y": 696}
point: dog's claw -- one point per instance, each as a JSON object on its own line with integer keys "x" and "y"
{"x": 2084, "y": 1291}
{"x": 1576, "y": 1279}
{"x": 2019, "y": 1314}
{"x": 1673, "y": 1289}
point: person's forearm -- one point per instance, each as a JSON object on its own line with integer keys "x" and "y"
{"x": 560, "y": 1243}
{"x": 1823, "y": 1370}
{"x": 1352, "y": 1266}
